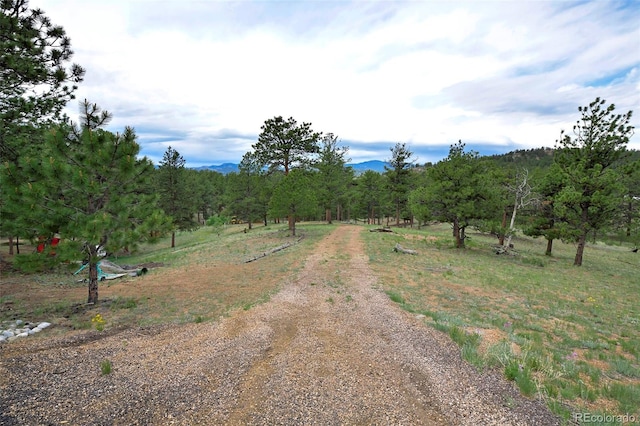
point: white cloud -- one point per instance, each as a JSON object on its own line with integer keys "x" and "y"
{"x": 510, "y": 74}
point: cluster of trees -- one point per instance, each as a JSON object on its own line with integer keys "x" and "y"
{"x": 591, "y": 185}
{"x": 89, "y": 184}
{"x": 78, "y": 180}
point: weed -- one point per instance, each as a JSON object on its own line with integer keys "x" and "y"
{"x": 470, "y": 354}
{"x": 330, "y": 300}
{"x": 199, "y": 319}
{"x": 525, "y": 383}
{"x": 124, "y": 303}
{"x": 348, "y": 298}
{"x": 534, "y": 261}
{"x": 626, "y": 395}
{"x": 105, "y": 367}
{"x": 395, "y": 297}
{"x": 623, "y": 366}
{"x": 499, "y": 354}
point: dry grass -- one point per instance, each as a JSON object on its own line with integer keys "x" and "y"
{"x": 202, "y": 278}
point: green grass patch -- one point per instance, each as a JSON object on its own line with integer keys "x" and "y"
{"x": 105, "y": 367}
{"x": 571, "y": 334}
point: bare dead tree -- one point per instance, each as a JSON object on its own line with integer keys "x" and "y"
{"x": 523, "y": 197}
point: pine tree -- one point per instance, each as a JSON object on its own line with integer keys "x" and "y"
{"x": 334, "y": 177}
{"x": 593, "y": 188}
{"x": 398, "y": 176}
{"x": 459, "y": 190}
{"x": 175, "y": 200}
{"x": 89, "y": 186}
{"x": 35, "y": 81}
{"x": 294, "y": 197}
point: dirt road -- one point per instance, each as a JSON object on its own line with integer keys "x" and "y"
{"x": 330, "y": 348}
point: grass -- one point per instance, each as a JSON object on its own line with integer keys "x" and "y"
{"x": 105, "y": 367}
{"x": 568, "y": 334}
{"x": 203, "y": 278}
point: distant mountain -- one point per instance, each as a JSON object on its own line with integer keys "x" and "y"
{"x": 222, "y": 168}
{"x": 375, "y": 165}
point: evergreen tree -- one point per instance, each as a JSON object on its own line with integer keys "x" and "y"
{"x": 89, "y": 186}
{"x": 371, "y": 195}
{"x": 629, "y": 218}
{"x": 593, "y": 187}
{"x": 284, "y": 144}
{"x": 293, "y": 197}
{"x": 175, "y": 199}
{"x": 398, "y": 177}
{"x": 246, "y": 192}
{"x": 36, "y": 81}
{"x": 459, "y": 190}
{"x": 333, "y": 177}
{"x": 544, "y": 221}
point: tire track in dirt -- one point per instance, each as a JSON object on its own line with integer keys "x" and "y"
{"x": 342, "y": 353}
{"x": 315, "y": 366}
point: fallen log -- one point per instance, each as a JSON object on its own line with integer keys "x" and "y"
{"x": 505, "y": 250}
{"x": 399, "y": 249}
{"x": 380, "y": 230}
{"x": 273, "y": 250}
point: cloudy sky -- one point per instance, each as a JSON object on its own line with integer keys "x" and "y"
{"x": 203, "y": 76}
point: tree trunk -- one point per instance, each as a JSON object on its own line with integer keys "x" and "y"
{"x": 327, "y": 214}
{"x": 173, "y": 239}
{"x": 456, "y": 234}
{"x": 582, "y": 240}
{"x": 292, "y": 225}
{"x": 10, "y": 246}
{"x": 504, "y": 225}
{"x": 93, "y": 282}
{"x": 512, "y": 225}
{"x": 549, "y": 247}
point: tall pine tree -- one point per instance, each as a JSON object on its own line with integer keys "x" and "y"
{"x": 592, "y": 186}
{"x": 174, "y": 197}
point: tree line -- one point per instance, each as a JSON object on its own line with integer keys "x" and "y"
{"x": 90, "y": 186}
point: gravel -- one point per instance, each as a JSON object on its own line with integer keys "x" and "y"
{"x": 328, "y": 349}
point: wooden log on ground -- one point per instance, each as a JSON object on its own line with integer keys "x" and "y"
{"x": 399, "y": 249}
{"x": 273, "y": 250}
{"x": 380, "y": 230}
